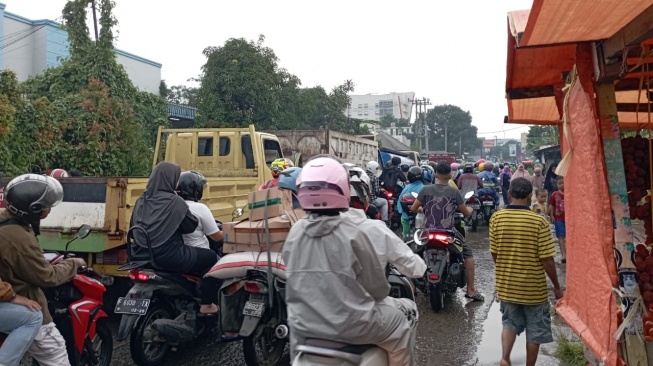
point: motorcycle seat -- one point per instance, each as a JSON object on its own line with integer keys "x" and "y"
{"x": 236, "y": 265}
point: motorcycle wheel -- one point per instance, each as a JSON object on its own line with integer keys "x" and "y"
{"x": 436, "y": 296}
{"x": 263, "y": 348}
{"x": 144, "y": 351}
{"x": 101, "y": 346}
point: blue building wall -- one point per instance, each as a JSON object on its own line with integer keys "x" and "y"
{"x": 56, "y": 46}
{"x": 2, "y": 31}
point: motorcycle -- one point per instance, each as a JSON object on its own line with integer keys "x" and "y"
{"x": 253, "y": 304}
{"x": 442, "y": 253}
{"x": 76, "y": 308}
{"x": 472, "y": 200}
{"x": 160, "y": 311}
{"x": 322, "y": 352}
{"x": 489, "y": 207}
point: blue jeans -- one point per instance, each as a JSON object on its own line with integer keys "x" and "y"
{"x": 23, "y": 325}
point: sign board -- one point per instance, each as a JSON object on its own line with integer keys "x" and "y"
{"x": 513, "y": 149}
{"x": 489, "y": 143}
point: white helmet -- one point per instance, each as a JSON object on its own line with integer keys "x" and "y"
{"x": 374, "y": 167}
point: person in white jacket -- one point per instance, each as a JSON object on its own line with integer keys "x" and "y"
{"x": 335, "y": 260}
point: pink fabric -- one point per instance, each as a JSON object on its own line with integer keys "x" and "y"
{"x": 588, "y": 306}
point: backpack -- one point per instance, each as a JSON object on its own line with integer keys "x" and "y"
{"x": 389, "y": 178}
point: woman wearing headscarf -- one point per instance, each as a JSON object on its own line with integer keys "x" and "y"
{"x": 504, "y": 179}
{"x": 165, "y": 216}
{"x": 551, "y": 179}
{"x": 521, "y": 172}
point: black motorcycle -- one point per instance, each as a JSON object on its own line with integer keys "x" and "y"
{"x": 160, "y": 311}
{"x": 442, "y": 253}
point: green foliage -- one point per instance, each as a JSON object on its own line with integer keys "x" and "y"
{"x": 242, "y": 83}
{"x": 540, "y": 136}
{"x": 461, "y": 135}
{"x": 388, "y": 120}
{"x": 84, "y": 114}
{"x": 570, "y": 350}
{"x": 503, "y": 151}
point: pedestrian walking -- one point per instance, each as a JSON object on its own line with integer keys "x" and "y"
{"x": 537, "y": 178}
{"x": 522, "y": 248}
{"x": 521, "y": 172}
{"x": 551, "y": 179}
{"x": 505, "y": 177}
{"x": 557, "y": 213}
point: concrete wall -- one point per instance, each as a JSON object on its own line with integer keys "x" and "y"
{"x": 18, "y": 56}
{"x": 145, "y": 74}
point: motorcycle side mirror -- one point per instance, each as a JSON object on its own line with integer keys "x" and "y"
{"x": 414, "y": 194}
{"x": 469, "y": 195}
{"x": 237, "y": 213}
{"x": 83, "y": 231}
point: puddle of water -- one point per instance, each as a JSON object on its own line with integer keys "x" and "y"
{"x": 488, "y": 352}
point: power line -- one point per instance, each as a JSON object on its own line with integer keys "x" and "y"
{"x": 509, "y": 129}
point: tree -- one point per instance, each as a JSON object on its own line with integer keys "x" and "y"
{"x": 503, "y": 151}
{"x": 181, "y": 94}
{"x": 388, "y": 120}
{"x": 88, "y": 99}
{"x": 461, "y": 135}
{"x": 540, "y": 136}
{"x": 242, "y": 83}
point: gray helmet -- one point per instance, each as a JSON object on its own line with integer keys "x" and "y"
{"x": 26, "y": 196}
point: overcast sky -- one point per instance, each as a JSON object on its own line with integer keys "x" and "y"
{"x": 451, "y": 51}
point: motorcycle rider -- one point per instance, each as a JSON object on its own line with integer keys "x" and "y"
{"x": 469, "y": 182}
{"x": 416, "y": 184}
{"x": 190, "y": 188}
{"x": 490, "y": 182}
{"x": 440, "y": 202}
{"x": 376, "y": 199}
{"x": 21, "y": 319}
{"x": 334, "y": 289}
{"x": 428, "y": 174}
{"x": 165, "y": 217}
{"x": 277, "y": 167}
{"x": 359, "y": 183}
{"x": 391, "y": 175}
{"x": 29, "y": 199}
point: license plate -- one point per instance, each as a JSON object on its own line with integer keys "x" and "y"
{"x": 132, "y": 306}
{"x": 254, "y": 308}
{"x": 475, "y": 206}
{"x": 488, "y": 203}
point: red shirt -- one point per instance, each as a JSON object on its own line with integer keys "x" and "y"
{"x": 557, "y": 204}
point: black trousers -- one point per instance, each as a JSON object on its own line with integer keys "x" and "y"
{"x": 209, "y": 286}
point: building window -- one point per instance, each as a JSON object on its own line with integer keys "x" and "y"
{"x": 386, "y": 107}
{"x": 360, "y": 113}
{"x": 366, "y": 112}
{"x": 365, "y": 106}
{"x": 360, "y": 106}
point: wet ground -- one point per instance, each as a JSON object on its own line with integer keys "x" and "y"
{"x": 464, "y": 333}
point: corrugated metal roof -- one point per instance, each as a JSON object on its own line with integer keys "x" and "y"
{"x": 390, "y": 142}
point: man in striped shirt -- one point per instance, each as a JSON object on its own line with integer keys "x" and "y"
{"x": 522, "y": 248}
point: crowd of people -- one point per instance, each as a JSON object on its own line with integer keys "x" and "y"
{"x": 341, "y": 249}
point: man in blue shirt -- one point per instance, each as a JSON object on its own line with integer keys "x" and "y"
{"x": 416, "y": 185}
{"x": 490, "y": 183}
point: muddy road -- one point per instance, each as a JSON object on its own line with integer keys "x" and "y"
{"x": 464, "y": 333}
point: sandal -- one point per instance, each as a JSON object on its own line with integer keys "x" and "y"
{"x": 477, "y": 297}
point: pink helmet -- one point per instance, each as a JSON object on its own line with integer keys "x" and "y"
{"x": 323, "y": 184}
{"x": 455, "y": 166}
{"x": 59, "y": 173}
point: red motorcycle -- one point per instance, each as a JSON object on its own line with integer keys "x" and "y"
{"x": 76, "y": 308}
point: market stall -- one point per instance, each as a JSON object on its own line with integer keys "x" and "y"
{"x": 584, "y": 66}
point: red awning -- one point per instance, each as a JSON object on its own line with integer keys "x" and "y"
{"x": 563, "y": 21}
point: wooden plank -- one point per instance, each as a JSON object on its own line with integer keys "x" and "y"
{"x": 636, "y": 32}
{"x": 527, "y": 93}
{"x": 634, "y": 107}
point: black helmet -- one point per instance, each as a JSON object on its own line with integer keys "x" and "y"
{"x": 26, "y": 196}
{"x": 469, "y": 168}
{"x": 405, "y": 167}
{"x": 414, "y": 174}
{"x": 191, "y": 185}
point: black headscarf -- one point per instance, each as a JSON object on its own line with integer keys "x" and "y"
{"x": 549, "y": 179}
{"x": 159, "y": 210}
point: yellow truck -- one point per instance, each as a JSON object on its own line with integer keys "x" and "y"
{"x": 235, "y": 161}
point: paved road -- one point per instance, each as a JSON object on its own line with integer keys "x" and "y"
{"x": 464, "y": 333}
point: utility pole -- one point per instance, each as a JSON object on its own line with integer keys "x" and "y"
{"x": 460, "y": 147}
{"x": 446, "y": 139}
{"x": 94, "y": 19}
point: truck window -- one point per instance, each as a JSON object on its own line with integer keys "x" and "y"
{"x": 246, "y": 146}
{"x": 225, "y": 146}
{"x": 205, "y": 146}
{"x": 272, "y": 151}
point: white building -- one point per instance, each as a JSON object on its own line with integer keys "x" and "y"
{"x": 398, "y": 133}
{"x": 30, "y": 46}
{"x": 374, "y": 106}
